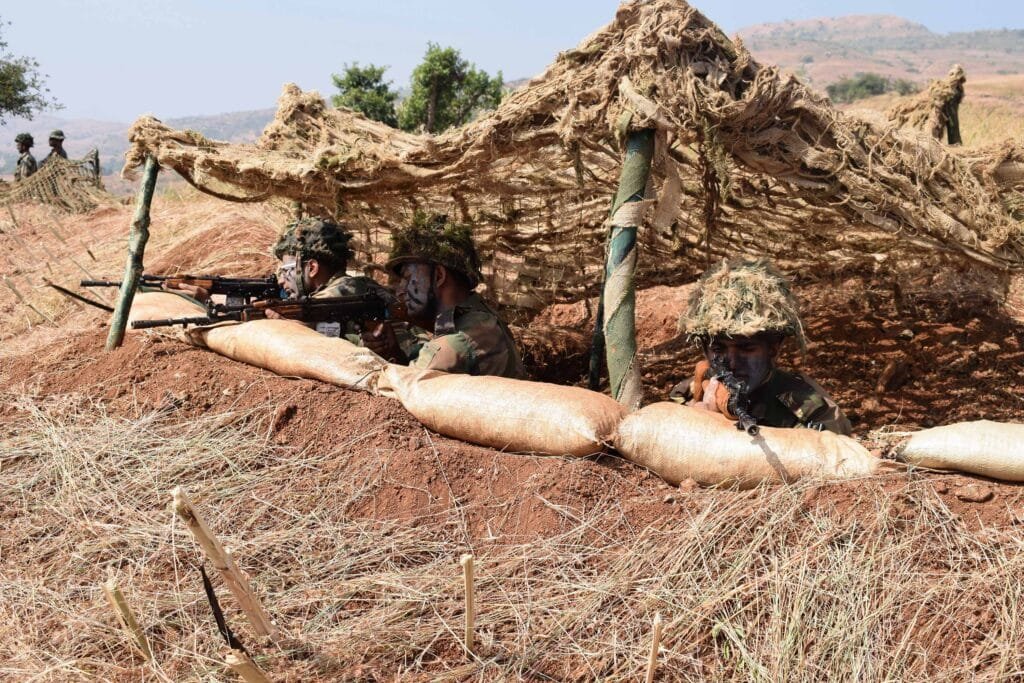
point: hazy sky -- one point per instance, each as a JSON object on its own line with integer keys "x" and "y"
{"x": 116, "y": 59}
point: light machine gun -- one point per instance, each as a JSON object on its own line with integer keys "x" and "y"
{"x": 331, "y": 315}
{"x": 739, "y": 397}
{"x": 238, "y": 291}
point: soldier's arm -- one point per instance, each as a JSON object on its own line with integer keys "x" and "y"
{"x": 449, "y": 353}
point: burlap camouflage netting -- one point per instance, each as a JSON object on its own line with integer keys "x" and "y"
{"x": 747, "y": 162}
{"x": 72, "y": 185}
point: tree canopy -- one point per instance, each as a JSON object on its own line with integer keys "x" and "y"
{"x": 447, "y": 91}
{"x": 22, "y": 88}
{"x": 363, "y": 89}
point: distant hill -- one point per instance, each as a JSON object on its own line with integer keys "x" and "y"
{"x": 821, "y": 51}
{"x": 111, "y": 138}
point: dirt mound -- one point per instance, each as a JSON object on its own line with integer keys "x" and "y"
{"x": 350, "y": 517}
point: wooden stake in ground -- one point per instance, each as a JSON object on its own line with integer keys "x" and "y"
{"x": 137, "y": 239}
{"x": 242, "y": 664}
{"x": 127, "y": 618}
{"x": 10, "y": 286}
{"x": 652, "y": 663}
{"x": 467, "y": 575}
{"x": 234, "y": 579}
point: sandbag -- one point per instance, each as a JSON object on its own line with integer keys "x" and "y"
{"x": 289, "y": 348}
{"x": 992, "y": 449}
{"x": 161, "y": 305}
{"x": 679, "y": 442}
{"x": 506, "y": 414}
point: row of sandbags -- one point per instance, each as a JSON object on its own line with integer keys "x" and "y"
{"x": 675, "y": 442}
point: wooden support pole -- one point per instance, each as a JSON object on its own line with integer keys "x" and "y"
{"x": 467, "y": 576}
{"x": 234, "y": 578}
{"x": 615, "y": 328}
{"x": 652, "y": 662}
{"x": 242, "y": 664}
{"x": 137, "y": 238}
{"x": 127, "y": 618}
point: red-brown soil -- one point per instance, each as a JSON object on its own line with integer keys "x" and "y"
{"x": 945, "y": 372}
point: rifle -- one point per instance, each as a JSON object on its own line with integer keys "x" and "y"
{"x": 238, "y": 291}
{"x": 331, "y": 314}
{"x": 739, "y": 397}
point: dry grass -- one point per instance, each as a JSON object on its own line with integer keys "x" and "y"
{"x": 94, "y": 246}
{"x": 763, "y": 585}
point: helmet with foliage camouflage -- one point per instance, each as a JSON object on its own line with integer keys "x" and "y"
{"x": 742, "y": 298}
{"x": 24, "y": 138}
{"x": 315, "y": 238}
{"x": 435, "y": 239}
{"x": 57, "y": 134}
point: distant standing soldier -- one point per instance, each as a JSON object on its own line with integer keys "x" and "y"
{"x": 56, "y": 146}
{"x": 26, "y": 165}
{"x": 739, "y": 314}
{"x": 439, "y": 269}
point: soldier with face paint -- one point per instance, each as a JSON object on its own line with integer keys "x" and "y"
{"x": 438, "y": 270}
{"x": 739, "y": 313}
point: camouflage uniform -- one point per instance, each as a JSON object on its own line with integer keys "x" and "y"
{"x": 26, "y": 165}
{"x": 55, "y": 135}
{"x": 786, "y": 399}
{"x": 468, "y": 338}
{"x": 744, "y": 299}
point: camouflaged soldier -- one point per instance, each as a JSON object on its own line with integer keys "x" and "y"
{"x": 56, "y": 147}
{"x": 314, "y": 254}
{"x": 26, "y": 165}
{"x": 739, "y": 313}
{"x": 438, "y": 266}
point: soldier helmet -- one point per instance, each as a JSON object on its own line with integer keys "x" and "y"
{"x": 24, "y": 138}
{"x": 742, "y": 298}
{"x": 57, "y": 134}
{"x": 435, "y": 239}
{"x": 315, "y": 238}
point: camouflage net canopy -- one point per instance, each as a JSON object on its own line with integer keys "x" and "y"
{"x": 72, "y": 185}
{"x": 747, "y": 162}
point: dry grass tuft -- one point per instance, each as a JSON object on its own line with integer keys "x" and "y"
{"x": 762, "y": 585}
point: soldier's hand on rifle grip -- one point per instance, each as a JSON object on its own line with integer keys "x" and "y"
{"x": 197, "y": 293}
{"x": 271, "y": 314}
{"x": 380, "y": 338}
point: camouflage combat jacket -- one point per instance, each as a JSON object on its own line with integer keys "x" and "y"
{"x": 25, "y": 167}
{"x": 469, "y": 339}
{"x": 53, "y": 153}
{"x": 787, "y": 400}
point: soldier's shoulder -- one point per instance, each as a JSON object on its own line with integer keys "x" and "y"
{"x": 799, "y": 393}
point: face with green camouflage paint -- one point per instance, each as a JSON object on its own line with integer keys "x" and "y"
{"x": 417, "y": 290}
{"x": 750, "y": 359}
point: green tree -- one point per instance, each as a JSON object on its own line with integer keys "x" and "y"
{"x": 363, "y": 89}
{"x": 447, "y": 91}
{"x": 868, "y": 85}
{"x": 22, "y": 88}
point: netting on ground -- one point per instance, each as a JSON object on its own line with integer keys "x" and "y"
{"x": 746, "y": 161}
{"x": 72, "y": 185}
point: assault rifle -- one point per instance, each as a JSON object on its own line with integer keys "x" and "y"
{"x": 331, "y": 314}
{"x": 739, "y": 397}
{"x": 238, "y": 291}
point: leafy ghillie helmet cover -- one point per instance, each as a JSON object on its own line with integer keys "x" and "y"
{"x": 315, "y": 238}
{"x": 24, "y": 138}
{"x": 742, "y": 298}
{"x": 435, "y": 239}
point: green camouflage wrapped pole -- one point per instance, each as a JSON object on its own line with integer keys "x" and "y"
{"x": 137, "y": 239}
{"x": 618, "y": 299}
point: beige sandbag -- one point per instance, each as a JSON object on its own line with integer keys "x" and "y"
{"x": 506, "y": 414}
{"x": 161, "y": 305}
{"x": 678, "y": 442}
{"x": 289, "y": 348}
{"x": 992, "y": 449}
